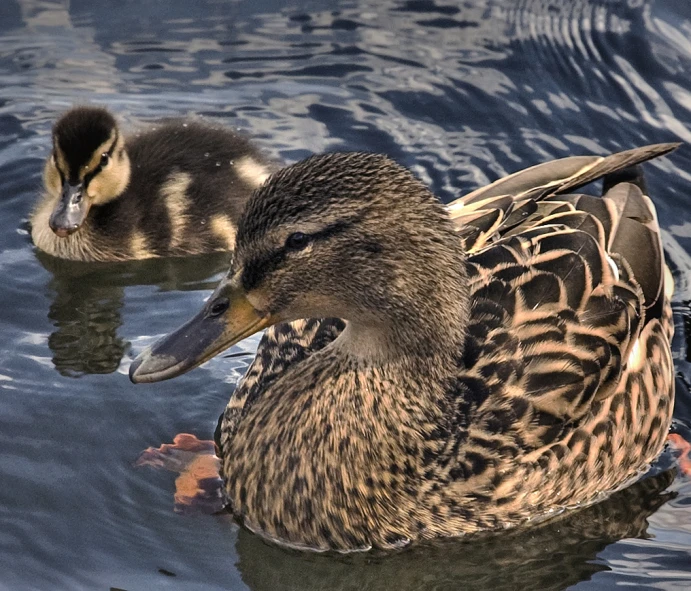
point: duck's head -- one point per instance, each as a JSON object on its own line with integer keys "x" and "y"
{"x": 88, "y": 166}
{"x": 348, "y": 235}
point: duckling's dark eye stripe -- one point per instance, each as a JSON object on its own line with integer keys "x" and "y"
{"x": 99, "y": 166}
{"x": 256, "y": 269}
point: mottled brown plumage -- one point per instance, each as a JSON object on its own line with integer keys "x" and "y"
{"x": 476, "y": 367}
{"x": 175, "y": 188}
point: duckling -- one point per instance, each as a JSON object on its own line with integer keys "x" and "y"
{"x": 429, "y": 371}
{"x": 175, "y": 189}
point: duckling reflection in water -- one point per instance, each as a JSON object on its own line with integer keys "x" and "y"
{"x": 434, "y": 372}
{"x": 87, "y": 299}
{"x": 174, "y": 189}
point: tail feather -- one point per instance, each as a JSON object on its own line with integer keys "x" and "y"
{"x": 637, "y": 240}
{"x": 632, "y": 174}
{"x": 564, "y": 175}
{"x": 616, "y": 163}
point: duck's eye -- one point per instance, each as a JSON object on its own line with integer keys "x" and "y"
{"x": 105, "y": 158}
{"x": 297, "y": 241}
{"x": 218, "y": 307}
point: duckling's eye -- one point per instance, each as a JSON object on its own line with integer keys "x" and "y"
{"x": 297, "y": 241}
{"x": 218, "y": 307}
{"x": 105, "y": 158}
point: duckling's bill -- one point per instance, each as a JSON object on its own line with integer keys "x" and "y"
{"x": 227, "y": 318}
{"x": 71, "y": 211}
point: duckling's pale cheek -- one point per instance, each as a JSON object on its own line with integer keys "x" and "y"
{"x": 106, "y": 186}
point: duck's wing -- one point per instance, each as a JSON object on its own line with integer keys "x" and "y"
{"x": 488, "y": 212}
{"x": 281, "y": 346}
{"x": 567, "y": 303}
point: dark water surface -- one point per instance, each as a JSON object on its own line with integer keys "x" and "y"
{"x": 461, "y": 92}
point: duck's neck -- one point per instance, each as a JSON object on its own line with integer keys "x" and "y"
{"x": 374, "y": 346}
{"x": 428, "y": 329}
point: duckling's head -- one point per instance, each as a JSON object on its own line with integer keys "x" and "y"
{"x": 88, "y": 166}
{"x": 348, "y": 235}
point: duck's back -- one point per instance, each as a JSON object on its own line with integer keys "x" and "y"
{"x": 566, "y": 386}
{"x": 188, "y": 184}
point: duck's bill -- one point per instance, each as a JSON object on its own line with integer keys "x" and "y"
{"x": 211, "y": 331}
{"x": 70, "y": 212}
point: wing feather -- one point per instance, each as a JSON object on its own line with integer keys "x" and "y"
{"x": 571, "y": 285}
{"x": 560, "y": 176}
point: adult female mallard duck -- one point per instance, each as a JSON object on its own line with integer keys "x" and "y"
{"x": 435, "y": 371}
{"x": 174, "y": 189}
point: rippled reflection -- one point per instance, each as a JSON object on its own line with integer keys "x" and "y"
{"x": 88, "y": 298}
{"x": 86, "y": 320}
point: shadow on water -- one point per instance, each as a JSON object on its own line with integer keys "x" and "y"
{"x": 88, "y": 300}
{"x": 548, "y": 557}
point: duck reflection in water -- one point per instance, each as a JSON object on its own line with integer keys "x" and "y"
{"x": 88, "y": 298}
{"x": 548, "y": 557}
